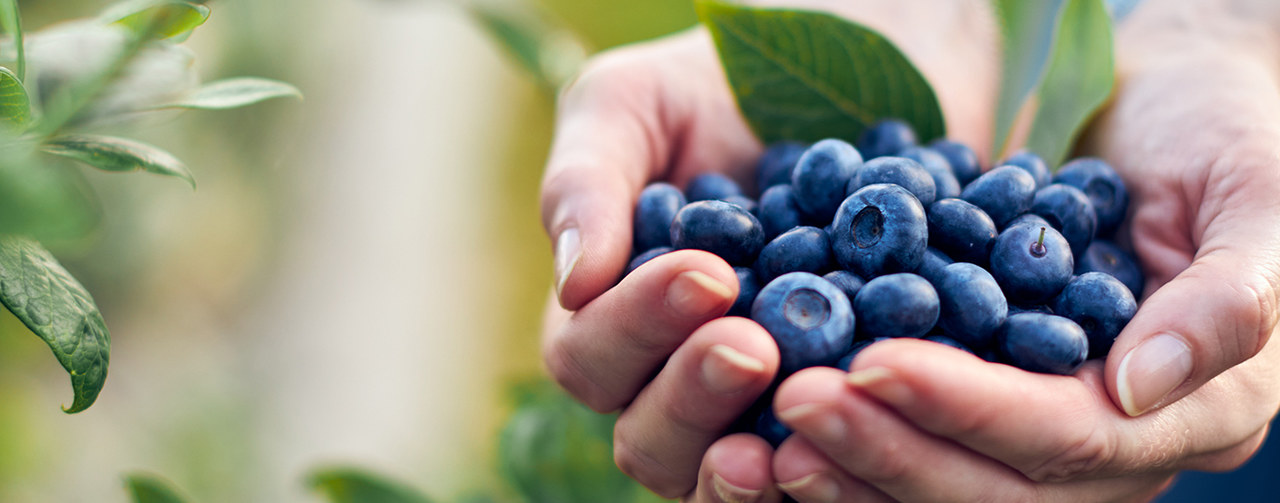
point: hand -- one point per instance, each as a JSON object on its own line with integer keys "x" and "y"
{"x": 1192, "y": 381}
{"x": 663, "y": 111}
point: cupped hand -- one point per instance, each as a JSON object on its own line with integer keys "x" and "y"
{"x": 1192, "y": 381}
{"x": 651, "y": 345}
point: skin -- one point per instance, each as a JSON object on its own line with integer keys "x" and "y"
{"x": 1193, "y": 129}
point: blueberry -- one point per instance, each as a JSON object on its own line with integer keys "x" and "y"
{"x": 821, "y": 176}
{"x": 1004, "y": 193}
{"x": 1069, "y": 211}
{"x": 1101, "y": 305}
{"x": 961, "y": 230}
{"x": 775, "y": 165}
{"x": 709, "y": 186}
{"x": 743, "y": 202}
{"x": 964, "y": 162}
{"x": 886, "y": 137}
{"x": 800, "y": 249}
{"x": 880, "y": 229}
{"x": 846, "y": 281}
{"x": 1043, "y": 343}
{"x": 1033, "y": 164}
{"x": 656, "y": 207}
{"x": 1039, "y": 308}
{"x": 721, "y": 228}
{"x": 931, "y": 268}
{"x": 748, "y": 288}
{"x": 1031, "y": 263}
{"x": 944, "y": 180}
{"x": 846, "y": 362}
{"x": 767, "y": 426}
{"x": 947, "y": 341}
{"x": 1104, "y": 187}
{"x": 1106, "y": 256}
{"x": 777, "y": 211}
{"x": 898, "y": 171}
{"x": 646, "y": 256}
{"x": 896, "y": 305}
{"x": 810, "y": 319}
{"x": 973, "y": 306}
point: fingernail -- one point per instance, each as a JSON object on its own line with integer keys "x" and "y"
{"x": 882, "y": 384}
{"x": 814, "y": 421}
{"x": 1151, "y": 371}
{"x": 815, "y": 487}
{"x": 730, "y": 493}
{"x": 725, "y": 370}
{"x": 568, "y": 251}
{"x": 694, "y": 294}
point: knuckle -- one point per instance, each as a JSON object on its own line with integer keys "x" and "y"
{"x": 568, "y": 372}
{"x": 644, "y": 468}
{"x": 1077, "y": 458}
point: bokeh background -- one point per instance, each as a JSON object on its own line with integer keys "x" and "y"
{"x": 357, "y": 280}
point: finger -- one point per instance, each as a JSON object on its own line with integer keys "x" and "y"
{"x": 874, "y": 445}
{"x": 1217, "y": 313}
{"x": 1049, "y": 428}
{"x": 709, "y": 381}
{"x": 807, "y": 475}
{"x": 623, "y": 122}
{"x": 736, "y": 469}
{"x": 610, "y": 348}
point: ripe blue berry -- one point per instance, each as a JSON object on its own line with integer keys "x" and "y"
{"x": 944, "y": 179}
{"x": 1042, "y": 343}
{"x": 1069, "y": 211}
{"x": 846, "y": 281}
{"x": 961, "y": 230}
{"x": 709, "y": 186}
{"x": 646, "y": 256}
{"x": 886, "y": 137}
{"x": 964, "y": 162}
{"x": 777, "y": 211}
{"x": 880, "y": 229}
{"x": 775, "y": 165}
{"x": 1033, "y": 164}
{"x": 1031, "y": 263}
{"x": 1106, "y": 256}
{"x": 748, "y": 288}
{"x": 973, "y": 306}
{"x": 800, "y": 249}
{"x": 1004, "y": 193}
{"x": 1100, "y": 304}
{"x": 721, "y": 228}
{"x": 821, "y": 176}
{"x": 656, "y": 207}
{"x": 896, "y": 305}
{"x": 1105, "y": 188}
{"x": 810, "y": 319}
{"x": 898, "y": 171}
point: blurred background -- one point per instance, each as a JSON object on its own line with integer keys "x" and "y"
{"x": 358, "y": 279}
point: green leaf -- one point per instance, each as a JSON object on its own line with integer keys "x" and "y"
{"x": 159, "y": 19}
{"x": 38, "y": 291}
{"x": 11, "y": 22}
{"x": 555, "y": 450}
{"x": 808, "y": 75}
{"x": 118, "y": 154}
{"x": 233, "y": 93}
{"x": 1079, "y": 80}
{"x": 15, "y": 105}
{"x": 1027, "y": 31}
{"x": 145, "y": 488}
{"x": 538, "y": 41}
{"x": 351, "y": 485}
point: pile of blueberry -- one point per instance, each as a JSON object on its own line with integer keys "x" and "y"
{"x": 849, "y": 245}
